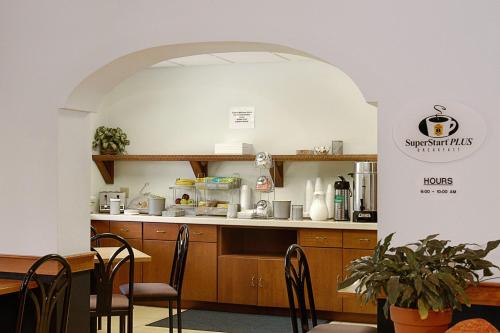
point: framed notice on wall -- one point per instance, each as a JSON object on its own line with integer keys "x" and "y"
{"x": 242, "y": 117}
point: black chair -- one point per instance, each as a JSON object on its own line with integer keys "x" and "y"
{"x": 104, "y": 303}
{"x": 167, "y": 292}
{"x": 93, "y": 232}
{"x": 47, "y": 293}
{"x": 297, "y": 280}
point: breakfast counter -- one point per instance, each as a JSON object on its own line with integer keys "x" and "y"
{"x": 222, "y": 221}
{"x": 227, "y": 257}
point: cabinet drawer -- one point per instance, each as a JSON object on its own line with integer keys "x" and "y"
{"x": 100, "y": 226}
{"x": 359, "y": 239}
{"x": 161, "y": 231}
{"x": 126, "y": 229}
{"x": 202, "y": 233}
{"x": 320, "y": 238}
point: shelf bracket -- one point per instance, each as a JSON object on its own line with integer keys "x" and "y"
{"x": 107, "y": 170}
{"x": 277, "y": 173}
{"x": 200, "y": 168}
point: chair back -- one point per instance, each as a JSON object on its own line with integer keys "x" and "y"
{"x": 93, "y": 232}
{"x": 298, "y": 279}
{"x": 46, "y": 293}
{"x": 105, "y": 272}
{"x": 180, "y": 256}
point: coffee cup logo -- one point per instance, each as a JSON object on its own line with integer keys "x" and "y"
{"x": 438, "y": 125}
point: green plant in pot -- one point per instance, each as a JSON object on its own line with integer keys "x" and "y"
{"x": 110, "y": 141}
{"x": 423, "y": 282}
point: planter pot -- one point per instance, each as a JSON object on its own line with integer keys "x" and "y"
{"x": 107, "y": 152}
{"x": 408, "y": 321}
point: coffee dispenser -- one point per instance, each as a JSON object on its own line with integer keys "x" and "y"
{"x": 365, "y": 192}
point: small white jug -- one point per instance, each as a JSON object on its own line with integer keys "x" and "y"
{"x": 319, "y": 210}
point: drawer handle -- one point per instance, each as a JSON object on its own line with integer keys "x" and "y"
{"x": 364, "y": 239}
{"x": 197, "y": 233}
{"x": 260, "y": 282}
{"x": 320, "y": 237}
{"x": 124, "y": 229}
{"x": 252, "y": 282}
{"x": 160, "y": 231}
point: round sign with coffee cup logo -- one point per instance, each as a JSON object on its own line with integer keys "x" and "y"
{"x": 439, "y": 132}
{"x": 438, "y": 125}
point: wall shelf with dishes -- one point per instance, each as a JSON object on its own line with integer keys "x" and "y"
{"x": 199, "y": 163}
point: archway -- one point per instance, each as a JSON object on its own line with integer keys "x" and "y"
{"x": 88, "y": 94}
{"x": 74, "y": 125}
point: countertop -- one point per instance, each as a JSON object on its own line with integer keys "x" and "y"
{"x": 213, "y": 220}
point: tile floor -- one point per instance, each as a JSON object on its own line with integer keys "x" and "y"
{"x": 144, "y": 315}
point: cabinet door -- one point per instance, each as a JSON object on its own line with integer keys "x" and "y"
{"x": 354, "y": 304}
{"x": 237, "y": 280}
{"x": 325, "y": 265}
{"x": 271, "y": 283}
{"x": 200, "y": 275}
{"x": 162, "y": 255}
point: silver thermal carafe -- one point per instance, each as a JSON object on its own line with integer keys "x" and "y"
{"x": 365, "y": 192}
{"x": 341, "y": 203}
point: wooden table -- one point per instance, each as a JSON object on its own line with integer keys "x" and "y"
{"x": 9, "y": 286}
{"x": 107, "y": 252}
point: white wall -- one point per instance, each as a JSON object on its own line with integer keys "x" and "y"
{"x": 73, "y": 167}
{"x": 396, "y": 51}
{"x": 184, "y": 110}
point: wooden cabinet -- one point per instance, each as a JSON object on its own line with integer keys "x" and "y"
{"x": 160, "y": 231}
{"x": 101, "y": 226}
{"x": 355, "y": 304}
{"x": 271, "y": 283}
{"x": 237, "y": 282}
{"x": 200, "y": 276}
{"x": 162, "y": 255}
{"x": 128, "y": 230}
{"x": 325, "y": 266}
{"x": 359, "y": 239}
{"x": 252, "y": 281}
{"x": 242, "y": 265}
{"x": 320, "y": 238}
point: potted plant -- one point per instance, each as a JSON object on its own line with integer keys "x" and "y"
{"x": 423, "y": 282}
{"x": 110, "y": 141}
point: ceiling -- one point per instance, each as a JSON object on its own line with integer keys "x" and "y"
{"x": 228, "y": 58}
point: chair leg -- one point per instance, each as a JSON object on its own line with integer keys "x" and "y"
{"x": 99, "y": 323}
{"x": 93, "y": 325}
{"x": 109, "y": 324}
{"x": 130, "y": 320}
{"x": 122, "y": 324}
{"x": 170, "y": 317}
{"x": 179, "y": 316}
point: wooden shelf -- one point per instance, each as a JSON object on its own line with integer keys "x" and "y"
{"x": 199, "y": 163}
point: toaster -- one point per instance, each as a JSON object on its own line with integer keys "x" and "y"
{"x": 104, "y": 197}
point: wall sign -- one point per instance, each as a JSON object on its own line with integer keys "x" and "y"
{"x": 438, "y": 186}
{"x": 242, "y": 117}
{"x": 441, "y": 132}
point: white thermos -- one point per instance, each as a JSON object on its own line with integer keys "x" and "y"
{"x": 114, "y": 206}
